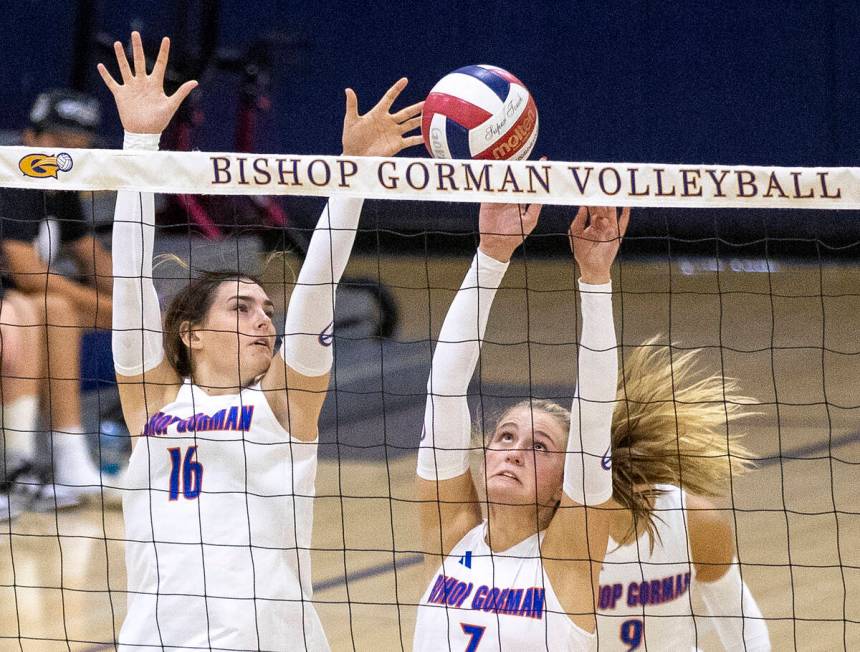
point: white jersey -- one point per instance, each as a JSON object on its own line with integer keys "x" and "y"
{"x": 502, "y": 601}
{"x": 218, "y": 513}
{"x": 644, "y": 600}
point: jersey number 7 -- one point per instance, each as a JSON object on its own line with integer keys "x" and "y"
{"x": 475, "y": 632}
{"x": 192, "y": 473}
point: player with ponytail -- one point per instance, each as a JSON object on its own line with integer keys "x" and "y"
{"x": 670, "y": 570}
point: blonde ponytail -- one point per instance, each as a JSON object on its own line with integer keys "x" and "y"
{"x": 668, "y": 428}
{"x": 672, "y": 428}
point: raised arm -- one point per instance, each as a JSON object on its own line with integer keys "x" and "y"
{"x": 307, "y": 349}
{"x": 145, "y": 377}
{"x": 449, "y": 506}
{"x": 137, "y": 336}
{"x": 587, "y": 470}
{"x": 576, "y": 539}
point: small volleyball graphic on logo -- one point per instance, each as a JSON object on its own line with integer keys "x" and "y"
{"x": 480, "y": 112}
{"x": 64, "y": 161}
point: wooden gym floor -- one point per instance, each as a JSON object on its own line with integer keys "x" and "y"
{"x": 789, "y": 336}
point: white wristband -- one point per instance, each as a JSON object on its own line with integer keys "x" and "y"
{"x": 147, "y": 142}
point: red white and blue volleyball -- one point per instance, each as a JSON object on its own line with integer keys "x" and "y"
{"x": 480, "y": 112}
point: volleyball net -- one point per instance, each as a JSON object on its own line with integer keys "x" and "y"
{"x": 752, "y": 270}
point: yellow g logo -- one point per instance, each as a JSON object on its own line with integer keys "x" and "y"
{"x": 40, "y": 166}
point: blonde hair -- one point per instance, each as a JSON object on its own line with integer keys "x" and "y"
{"x": 280, "y": 260}
{"x": 668, "y": 428}
{"x": 165, "y": 258}
{"x": 671, "y": 427}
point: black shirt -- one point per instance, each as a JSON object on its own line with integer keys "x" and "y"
{"x": 22, "y": 211}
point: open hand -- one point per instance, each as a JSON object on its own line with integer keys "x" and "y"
{"x": 595, "y": 237}
{"x": 504, "y": 227}
{"x": 143, "y": 107}
{"x": 379, "y": 132}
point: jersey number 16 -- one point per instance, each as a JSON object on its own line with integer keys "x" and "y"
{"x": 192, "y": 473}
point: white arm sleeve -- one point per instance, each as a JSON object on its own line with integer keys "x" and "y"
{"x": 444, "y": 449}
{"x": 733, "y": 612}
{"x": 308, "y": 333}
{"x": 137, "y": 339}
{"x": 587, "y": 469}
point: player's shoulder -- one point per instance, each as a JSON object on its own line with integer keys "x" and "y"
{"x": 712, "y": 539}
{"x": 705, "y": 516}
{"x": 473, "y": 540}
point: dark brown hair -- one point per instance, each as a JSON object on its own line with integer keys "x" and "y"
{"x": 191, "y": 305}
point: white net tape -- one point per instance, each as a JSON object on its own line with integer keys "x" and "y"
{"x": 556, "y": 182}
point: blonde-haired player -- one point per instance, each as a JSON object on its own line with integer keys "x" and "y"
{"x": 526, "y": 578}
{"x": 220, "y": 485}
{"x": 671, "y": 554}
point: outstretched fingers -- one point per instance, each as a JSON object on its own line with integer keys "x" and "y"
{"x": 351, "y": 103}
{"x": 391, "y": 95}
{"x": 160, "y": 67}
{"x": 122, "y": 62}
{"x": 109, "y": 81}
{"x": 137, "y": 53}
{"x": 409, "y": 112}
{"x": 141, "y": 101}
{"x": 412, "y": 141}
{"x": 409, "y": 125}
{"x": 181, "y": 93}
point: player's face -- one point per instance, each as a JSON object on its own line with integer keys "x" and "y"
{"x": 238, "y": 328}
{"x": 525, "y": 458}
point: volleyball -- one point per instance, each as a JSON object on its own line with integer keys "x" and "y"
{"x": 480, "y": 112}
{"x": 64, "y": 161}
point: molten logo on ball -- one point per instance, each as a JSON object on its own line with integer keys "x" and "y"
{"x": 480, "y": 112}
{"x": 40, "y": 166}
{"x": 511, "y": 145}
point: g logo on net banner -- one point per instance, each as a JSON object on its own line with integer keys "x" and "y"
{"x": 41, "y": 166}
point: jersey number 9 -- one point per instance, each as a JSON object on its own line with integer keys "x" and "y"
{"x": 631, "y": 634}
